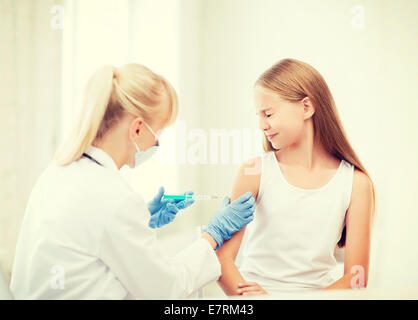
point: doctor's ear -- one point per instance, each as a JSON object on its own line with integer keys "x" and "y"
{"x": 135, "y": 126}
{"x": 308, "y": 108}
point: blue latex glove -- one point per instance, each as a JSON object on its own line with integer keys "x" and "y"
{"x": 231, "y": 217}
{"x": 163, "y": 211}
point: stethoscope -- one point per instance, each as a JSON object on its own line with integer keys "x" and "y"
{"x": 91, "y": 158}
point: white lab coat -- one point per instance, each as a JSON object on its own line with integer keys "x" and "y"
{"x": 85, "y": 235}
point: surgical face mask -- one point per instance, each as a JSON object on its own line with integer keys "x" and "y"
{"x": 142, "y": 156}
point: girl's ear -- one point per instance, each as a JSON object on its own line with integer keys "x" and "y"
{"x": 308, "y": 108}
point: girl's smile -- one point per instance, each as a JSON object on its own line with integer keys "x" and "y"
{"x": 270, "y": 137}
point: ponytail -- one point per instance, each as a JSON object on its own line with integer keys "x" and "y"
{"x": 96, "y": 100}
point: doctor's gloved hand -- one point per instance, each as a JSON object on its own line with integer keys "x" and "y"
{"x": 163, "y": 211}
{"x": 230, "y": 218}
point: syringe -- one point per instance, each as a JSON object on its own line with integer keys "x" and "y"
{"x": 190, "y": 196}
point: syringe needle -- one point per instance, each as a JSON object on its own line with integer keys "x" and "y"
{"x": 194, "y": 197}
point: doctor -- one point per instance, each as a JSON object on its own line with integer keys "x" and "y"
{"x": 86, "y": 233}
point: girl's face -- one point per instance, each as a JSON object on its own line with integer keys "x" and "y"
{"x": 280, "y": 120}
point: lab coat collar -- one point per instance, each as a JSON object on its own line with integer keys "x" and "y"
{"x": 101, "y": 156}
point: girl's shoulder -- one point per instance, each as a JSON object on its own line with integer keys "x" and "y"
{"x": 362, "y": 192}
{"x": 361, "y": 182}
{"x": 248, "y": 178}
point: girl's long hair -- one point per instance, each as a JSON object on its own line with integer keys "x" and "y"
{"x": 112, "y": 92}
{"x": 294, "y": 80}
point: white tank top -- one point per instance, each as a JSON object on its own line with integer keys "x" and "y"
{"x": 289, "y": 246}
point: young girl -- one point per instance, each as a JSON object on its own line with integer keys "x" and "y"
{"x": 312, "y": 193}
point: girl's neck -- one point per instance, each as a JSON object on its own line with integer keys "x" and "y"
{"x": 306, "y": 154}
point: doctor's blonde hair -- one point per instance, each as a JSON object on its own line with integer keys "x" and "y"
{"x": 294, "y": 80}
{"x": 111, "y": 92}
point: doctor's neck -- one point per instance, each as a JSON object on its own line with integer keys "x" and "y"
{"x": 116, "y": 144}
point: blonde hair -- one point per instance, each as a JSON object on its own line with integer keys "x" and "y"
{"x": 294, "y": 80}
{"x": 112, "y": 92}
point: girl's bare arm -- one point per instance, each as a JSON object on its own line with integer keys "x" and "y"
{"x": 358, "y": 231}
{"x": 248, "y": 179}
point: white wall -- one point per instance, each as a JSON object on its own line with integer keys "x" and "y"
{"x": 30, "y": 60}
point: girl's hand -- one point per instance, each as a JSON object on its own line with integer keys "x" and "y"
{"x": 250, "y": 289}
